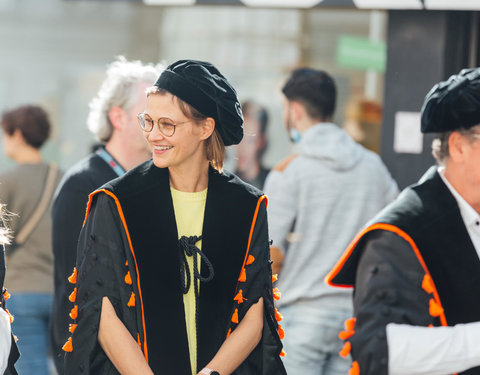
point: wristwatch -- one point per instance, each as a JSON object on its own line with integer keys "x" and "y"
{"x": 209, "y": 371}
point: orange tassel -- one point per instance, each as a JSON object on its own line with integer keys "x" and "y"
{"x": 239, "y": 297}
{"x": 350, "y": 324}
{"x": 229, "y": 332}
{"x": 278, "y": 316}
{"x": 274, "y": 277}
{"x": 73, "y": 295}
{"x": 74, "y": 312}
{"x": 131, "y": 301}
{"x": 355, "y": 370}
{"x": 282, "y": 353}
{"x": 281, "y": 332}
{"x": 128, "y": 278}
{"x": 345, "y": 335}
{"x": 276, "y": 294}
{"x": 126, "y": 262}
{"x": 68, "y": 347}
{"x": 346, "y": 349}
{"x": 73, "y": 277}
{"x": 10, "y": 316}
{"x": 349, "y": 329}
{"x": 250, "y": 260}
{"x": 235, "y": 316}
{"x": 6, "y": 295}
{"x": 72, "y": 327}
{"x": 243, "y": 276}
{"x": 435, "y": 308}
{"x": 427, "y": 284}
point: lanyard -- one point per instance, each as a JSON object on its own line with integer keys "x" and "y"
{"x": 109, "y": 160}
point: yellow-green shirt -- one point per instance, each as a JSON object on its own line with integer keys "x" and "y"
{"x": 189, "y": 210}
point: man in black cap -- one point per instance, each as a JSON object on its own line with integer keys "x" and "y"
{"x": 416, "y": 267}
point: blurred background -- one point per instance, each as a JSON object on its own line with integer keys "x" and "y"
{"x": 384, "y": 54}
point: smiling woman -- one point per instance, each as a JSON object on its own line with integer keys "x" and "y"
{"x": 174, "y": 270}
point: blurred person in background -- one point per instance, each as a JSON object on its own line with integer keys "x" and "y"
{"x": 113, "y": 121}
{"x": 416, "y": 267}
{"x": 363, "y": 122}
{"x": 254, "y": 144}
{"x": 318, "y": 199}
{"x": 27, "y": 192}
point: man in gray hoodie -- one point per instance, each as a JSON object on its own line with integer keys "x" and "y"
{"x": 319, "y": 198}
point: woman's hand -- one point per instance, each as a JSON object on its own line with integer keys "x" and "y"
{"x": 237, "y": 347}
{"x": 119, "y": 344}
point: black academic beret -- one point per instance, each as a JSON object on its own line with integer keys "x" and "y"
{"x": 453, "y": 104}
{"x": 201, "y": 85}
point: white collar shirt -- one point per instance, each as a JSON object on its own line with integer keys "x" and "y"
{"x": 470, "y": 217}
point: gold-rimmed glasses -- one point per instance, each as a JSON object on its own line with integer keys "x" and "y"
{"x": 165, "y": 125}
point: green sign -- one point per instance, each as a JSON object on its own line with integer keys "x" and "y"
{"x": 361, "y": 53}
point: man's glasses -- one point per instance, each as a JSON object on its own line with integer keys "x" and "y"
{"x": 165, "y": 125}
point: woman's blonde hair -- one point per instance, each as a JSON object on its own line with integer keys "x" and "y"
{"x": 4, "y": 232}
{"x": 214, "y": 145}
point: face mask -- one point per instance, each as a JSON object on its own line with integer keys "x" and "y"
{"x": 294, "y": 135}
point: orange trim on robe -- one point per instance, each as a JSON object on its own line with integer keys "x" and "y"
{"x": 390, "y": 228}
{"x": 242, "y": 276}
{"x": 122, "y": 218}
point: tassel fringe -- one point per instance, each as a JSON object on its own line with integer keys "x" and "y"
{"x": 235, "y": 316}
{"x": 73, "y": 277}
{"x": 73, "y": 295}
{"x": 128, "y": 278}
{"x": 131, "y": 301}
{"x": 68, "y": 347}
{"x": 74, "y": 312}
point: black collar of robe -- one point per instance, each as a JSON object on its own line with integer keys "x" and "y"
{"x": 429, "y": 214}
{"x": 145, "y": 197}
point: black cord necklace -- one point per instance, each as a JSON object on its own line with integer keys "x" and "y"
{"x": 187, "y": 247}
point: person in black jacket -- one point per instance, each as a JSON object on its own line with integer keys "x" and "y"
{"x": 112, "y": 120}
{"x": 415, "y": 269}
{"x": 173, "y": 270}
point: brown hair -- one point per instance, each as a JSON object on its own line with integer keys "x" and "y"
{"x": 214, "y": 144}
{"x": 31, "y": 120}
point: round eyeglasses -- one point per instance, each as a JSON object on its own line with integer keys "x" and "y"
{"x": 165, "y": 125}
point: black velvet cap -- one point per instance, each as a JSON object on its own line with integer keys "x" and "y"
{"x": 201, "y": 85}
{"x": 453, "y": 104}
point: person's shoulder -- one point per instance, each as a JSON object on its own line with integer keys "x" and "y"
{"x": 87, "y": 174}
{"x": 285, "y": 163}
{"x": 237, "y": 186}
{"x": 9, "y": 174}
{"x": 83, "y": 167}
{"x": 137, "y": 180}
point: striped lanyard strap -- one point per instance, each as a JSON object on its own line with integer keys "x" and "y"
{"x": 110, "y": 161}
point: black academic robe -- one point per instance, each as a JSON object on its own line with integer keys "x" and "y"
{"x": 129, "y": 251}
{"x": 413, "y": 264}
{"x": 68, "y": 211}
